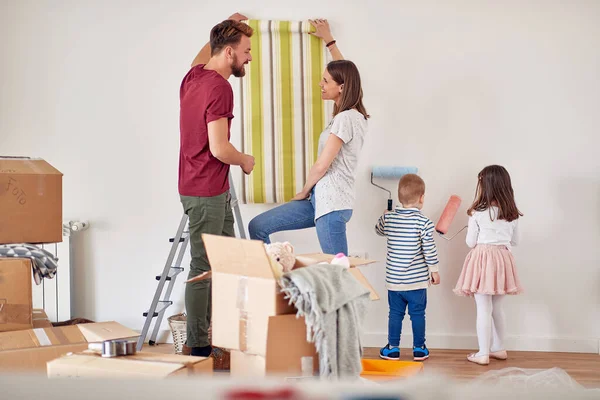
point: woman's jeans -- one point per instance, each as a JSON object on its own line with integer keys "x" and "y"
{"x": 331, "y": 228}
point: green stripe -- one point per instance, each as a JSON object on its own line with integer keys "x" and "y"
{"x": 316, "y": 70}
{"x": 287, "y": 110}
{"x": 256, "y": 119}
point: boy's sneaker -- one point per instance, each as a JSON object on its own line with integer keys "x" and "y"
{"x": 420, "y": 353}
{"x": 389, "y": 353}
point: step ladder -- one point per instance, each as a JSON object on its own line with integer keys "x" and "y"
{"x": 173, "y": 268}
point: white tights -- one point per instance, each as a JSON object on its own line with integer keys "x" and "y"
{"x": 490, "y": 323}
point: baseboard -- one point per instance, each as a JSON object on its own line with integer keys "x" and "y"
{"x": 460, "y": 342}
{"x": 514, "y": 343}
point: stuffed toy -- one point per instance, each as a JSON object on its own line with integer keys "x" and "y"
{"x": 282, "y": 255}
{"x": 341, "y": 259}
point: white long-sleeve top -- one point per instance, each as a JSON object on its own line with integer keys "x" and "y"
{"x": 484, "y": 229}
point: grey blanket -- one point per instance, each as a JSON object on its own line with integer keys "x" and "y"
{"x": 44, "y": 262}
{"x": 334, "y": 305}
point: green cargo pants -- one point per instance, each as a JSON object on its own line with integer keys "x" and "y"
{"x": 211, "y": 215}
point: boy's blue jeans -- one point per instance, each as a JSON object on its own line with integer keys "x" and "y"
{"x": 416, "y": 300}
{"x": 331, "y": 228}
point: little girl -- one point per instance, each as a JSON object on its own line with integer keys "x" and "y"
{"x": 489, "y": 270}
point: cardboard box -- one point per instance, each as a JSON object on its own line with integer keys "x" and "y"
{"x": 245, "y": 291}
{"x": 40, "y": 319}
{"x": 30, "y": 350}
{"x": 139, "y": 365}
{"x": 288, "y": 352}
{"x": 30, "y": 200}
{"x": 16, "y": 304}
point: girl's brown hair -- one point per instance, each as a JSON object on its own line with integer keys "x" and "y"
{"x": 344, "y": 72}
{"x": 494, "y": 188}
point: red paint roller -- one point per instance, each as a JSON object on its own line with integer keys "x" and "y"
{"x": 448, "y": 216}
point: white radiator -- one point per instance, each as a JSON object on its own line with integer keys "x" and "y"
{"x": 54, "y": 295}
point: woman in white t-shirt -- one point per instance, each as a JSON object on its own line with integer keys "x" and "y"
{"x": 327, "y": 199}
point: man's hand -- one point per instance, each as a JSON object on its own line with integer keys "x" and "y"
{"x": 435, "y": 278}
{"x": 248, "y": 164}
{"x": 238, "y": 17}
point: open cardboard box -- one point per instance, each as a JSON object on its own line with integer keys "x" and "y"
{"x": 142, "y": 365}
{"x": 245, "y": 291}
{"x": 29, "y": 350}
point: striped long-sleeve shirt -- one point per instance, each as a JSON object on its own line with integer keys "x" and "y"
{"x": 411, "y": 250}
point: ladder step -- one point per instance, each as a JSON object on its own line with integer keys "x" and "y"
{"x": 163, "y": 306}
{"x": 177, "y": 271}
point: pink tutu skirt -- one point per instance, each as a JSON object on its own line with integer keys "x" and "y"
{"x": 488, "y": 269}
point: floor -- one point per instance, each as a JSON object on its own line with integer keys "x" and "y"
{"x": 584, "y": 368}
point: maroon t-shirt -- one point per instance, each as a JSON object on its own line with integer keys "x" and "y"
{"x": 205, "y": 96}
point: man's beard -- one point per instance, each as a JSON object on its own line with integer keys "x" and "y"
{"x": 237, "y": 70}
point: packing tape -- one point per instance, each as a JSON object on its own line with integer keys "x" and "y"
{"x": 15, "y": 313}
{"x": 41, "y": 181}
{"x": 42, "y": 337}
{"x": 62, "y": 338}
{"x": 241, "y": 304}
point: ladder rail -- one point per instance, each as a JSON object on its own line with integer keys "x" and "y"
{"x": 161, "y": 282}
{"x": 236, "y": 208}
{"x": 167, "y": 296}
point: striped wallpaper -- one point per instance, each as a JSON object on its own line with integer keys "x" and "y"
{"x": 281, "y": 109}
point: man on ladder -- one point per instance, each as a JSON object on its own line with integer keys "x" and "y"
{"x": 206, "y": 154}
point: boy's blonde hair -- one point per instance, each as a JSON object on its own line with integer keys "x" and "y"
{"x": 410, "y": 189}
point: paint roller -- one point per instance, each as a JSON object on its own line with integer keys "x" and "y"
{"x": 390, "y": 173}
{"x": 448, "y": 216}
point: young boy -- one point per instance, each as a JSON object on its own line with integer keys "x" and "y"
{"x": 411, "y": 264}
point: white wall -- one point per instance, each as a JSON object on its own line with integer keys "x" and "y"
{"x": 93, "y": 88}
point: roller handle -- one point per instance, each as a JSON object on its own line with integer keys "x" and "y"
{"x": 389, "y": 204}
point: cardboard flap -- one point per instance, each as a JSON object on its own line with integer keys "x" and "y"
{"x": 237, "y": 256}
{"x": 363, "y": 280}
{"x": 142, "y": 364}
{"x": 26, "y": 166}
{"x": 93, "y": 365}
{"x": 101, "y": 331}
{"x": 305, "y": 260}
{"x": 169, "y": 358}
